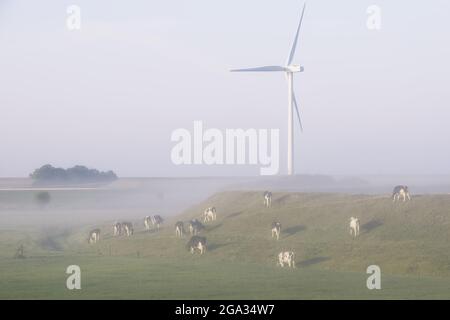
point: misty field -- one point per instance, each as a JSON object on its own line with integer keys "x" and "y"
{"x": 409, "y": 241}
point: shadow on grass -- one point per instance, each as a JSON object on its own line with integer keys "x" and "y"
{"x": 371, "y": 225}
{"x": 233, "y": 215}
{"x": 215, "y": 246}
{"x": 151, "y": 231}
{"x": 50, "y": 243}
{"x": 293, "y": 230}
{"x": 281, "y": 199}
{"x": 313, "y": 261}
{"x": 211, "y": 228}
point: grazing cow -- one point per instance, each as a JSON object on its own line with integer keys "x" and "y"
{"x": 286, "y": 257}
{"x": 179, "y": 229}
{"x": 157, "y": 220}
{"x": 195, "y": 226}
{"x": 128, "y": 228}
{"x": 276, "y": 230}
{"x": 198, "y": 243}
{"x": 354, "y": 226}
{"x": 117, "y": 229}
{"x": 400, "y": 191}
{"x": 267, "y": 199}
{"x": 147, "y": 222}
{"x": 94, "y": 236}
{"x": 209, "y": 214}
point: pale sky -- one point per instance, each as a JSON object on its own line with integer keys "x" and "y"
{"x": 109, "y": 95}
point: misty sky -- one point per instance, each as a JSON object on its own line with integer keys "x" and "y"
{"x": 110, "y": 95}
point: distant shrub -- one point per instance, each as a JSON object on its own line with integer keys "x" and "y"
{"x": 43, "y": 198}
{"x": 76, "y": 174}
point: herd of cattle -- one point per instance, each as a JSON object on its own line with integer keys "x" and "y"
{"x": 197, "y": 242}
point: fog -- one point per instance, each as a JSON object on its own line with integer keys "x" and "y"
{"x": 110, "y": 94}
{"x": 133, "y": 199}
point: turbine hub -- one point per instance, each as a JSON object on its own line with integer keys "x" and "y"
{"x": 294, "y": 68}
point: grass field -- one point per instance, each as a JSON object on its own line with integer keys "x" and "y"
{"x": 409, "y": 241}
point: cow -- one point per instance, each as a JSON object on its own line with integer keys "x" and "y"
{"x": 94, "y": 236}
{"x": 198, "y": 243}
{"x": 276, "y": 230}
{"x": 157, "y": 221}
{"x": 209, "y": 214}
{"x": 267, "y": 199}
{"x": 286, "y": 257}
{"x": 117, "y": 229}
{"x": 147, "y": 222}
{"x": 128, "y": 228}
{"x": 195, "y": 226}
{"x": 400, "y": 191}
{"x": 179, "y": 229}
{"x": 354, "y": 226}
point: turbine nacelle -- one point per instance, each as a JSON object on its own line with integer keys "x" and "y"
{"x": 294, "y": 68}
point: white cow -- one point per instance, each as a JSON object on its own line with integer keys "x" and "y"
{"x": 94, "y": 236}
{"x": 286, "y": 257}
{"x": 400, "y": 191}
{"x": 209, "y": 214}
{"x": 267, "y": 199}
{"x": 354, "y": 226}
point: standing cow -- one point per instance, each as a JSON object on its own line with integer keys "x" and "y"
{"x": 147, "y": 222}
{"x": 128, "y": 228}
{"x": 195, "y": 226}
{"x": 286, "y": 257}
{"x": 157, "y": 221}
{"x": 179, "y": 229}
{"x": 198, "y": 243}
{"x": 94, "y": 236}
{"x": 354, "y": 226}
{"x": 400, "y": 191}
{"x": 276, "y": 229}
{"x": 267, "y": 199}
{"x": 210, "y": 214}
{"x": 117, "y": 229}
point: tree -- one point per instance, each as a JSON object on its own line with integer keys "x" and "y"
{"x": 76, "y": 174}
{"x": 43, "y": 198}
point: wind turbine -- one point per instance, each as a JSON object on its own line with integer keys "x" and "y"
{"x": 289, "y": 69}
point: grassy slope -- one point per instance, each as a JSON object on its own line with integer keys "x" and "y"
{"x": 409, "y": 241}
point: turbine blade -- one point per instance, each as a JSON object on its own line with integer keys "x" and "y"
{"x": 261, "y": 69}
{"x": 294, "y": 45}
{"x": 296, "y": 109}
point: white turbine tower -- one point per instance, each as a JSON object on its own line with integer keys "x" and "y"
{"x": 289, "y": 69}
